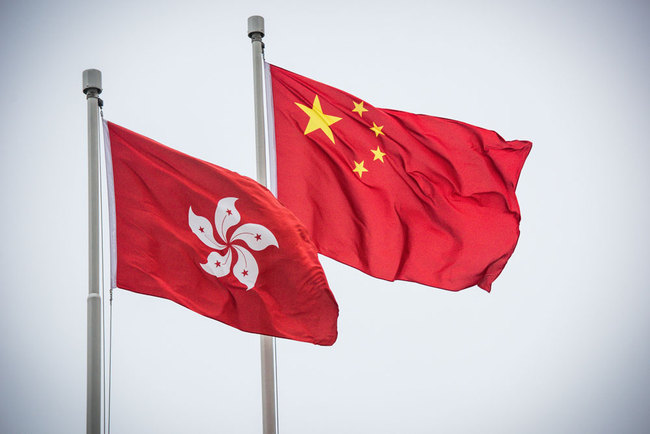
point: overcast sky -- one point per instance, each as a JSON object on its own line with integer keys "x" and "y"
{"x": 561, "y": 345}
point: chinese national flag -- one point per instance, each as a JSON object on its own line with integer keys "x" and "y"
{"x": 213, "y": 241}
{"x": 397, "y": 195}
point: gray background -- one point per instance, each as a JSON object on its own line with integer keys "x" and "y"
{"x": 560, "y": 346}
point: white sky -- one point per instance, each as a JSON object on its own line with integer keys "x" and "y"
{"x": 562, "y": 343}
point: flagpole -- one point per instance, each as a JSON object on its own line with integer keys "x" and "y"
{"x": 267, "y": 343}
{"x": 92, "y": 87}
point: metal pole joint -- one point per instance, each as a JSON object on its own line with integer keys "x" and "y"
{"x": 92, "y": 83}
{"x": 256, "y": 27}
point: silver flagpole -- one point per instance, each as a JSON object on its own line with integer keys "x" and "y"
{"x": 92, "y": 87}
{"x": 267, "y": 343}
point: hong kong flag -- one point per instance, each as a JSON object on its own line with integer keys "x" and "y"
{"x": 397, "y": 195}
{"x": 213, "y": 241}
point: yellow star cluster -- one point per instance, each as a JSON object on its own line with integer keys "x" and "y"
{"x": 321, "y": 121}
{"x": 377, "y": 129}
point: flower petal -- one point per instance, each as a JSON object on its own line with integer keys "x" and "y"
{"x": 218, "y": 265}
{"x": 256, "y": 236}
{"x": 245, "y": 269}
{"x": 202, "y": 228}
{"x": 226, "y": 216}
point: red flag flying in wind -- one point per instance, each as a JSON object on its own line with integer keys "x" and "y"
{"x": 397, "y": 195}
{"x": 215, "y": 242}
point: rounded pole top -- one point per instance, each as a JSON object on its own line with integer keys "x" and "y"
{"x": 92, "y": 79}
{"x": 255, "y": 25}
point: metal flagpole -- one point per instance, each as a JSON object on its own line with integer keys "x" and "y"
{"x": 267, "y": 343}
{"x": 92, "y": 87}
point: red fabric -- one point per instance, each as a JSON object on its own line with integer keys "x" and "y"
{"x": 440, "y": 209}
{"x": 160, "y": 251}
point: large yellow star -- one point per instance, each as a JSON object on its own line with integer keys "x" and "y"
{"x": 318, "y": 120}
{"x": 358, "y": 167}
{"x": 377, "y": 129}
{"x": 358, "y": 108}
{"x": 378, "y": 154}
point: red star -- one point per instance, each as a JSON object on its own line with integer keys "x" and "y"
{"x": 229, "y": 212}
{"x": 201, "y": 229}
{"x": 258, "y": 237}
{"x": 218, "y": 264}
{"x": 244, "y": 273}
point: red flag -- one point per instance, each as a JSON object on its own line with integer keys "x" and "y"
{"x": 397, "y": 195}
{"x": 215, "y": 242}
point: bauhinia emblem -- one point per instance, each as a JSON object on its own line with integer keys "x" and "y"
{"x": 255, "y": 236}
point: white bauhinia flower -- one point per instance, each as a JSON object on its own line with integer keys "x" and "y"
{"x": 253, "y": 235}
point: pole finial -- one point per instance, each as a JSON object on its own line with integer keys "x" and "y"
{"x": 255, "y": 26}
{"x": 92, "y": 79}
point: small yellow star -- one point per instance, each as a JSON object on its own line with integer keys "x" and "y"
{"x": 358, "y": 108}
{"x": 377, "y": 129}
{"x": 358, "y": 167}
{"x": 318, "y": 120}
{"x": 378, "y": 154}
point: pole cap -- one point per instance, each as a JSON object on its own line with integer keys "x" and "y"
{"x": 255, "y": 25}
{"x": 92, "y": 79}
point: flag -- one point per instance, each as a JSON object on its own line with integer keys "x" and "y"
{"x": 400, "y": 196}
{"x": 213, "y": 241}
